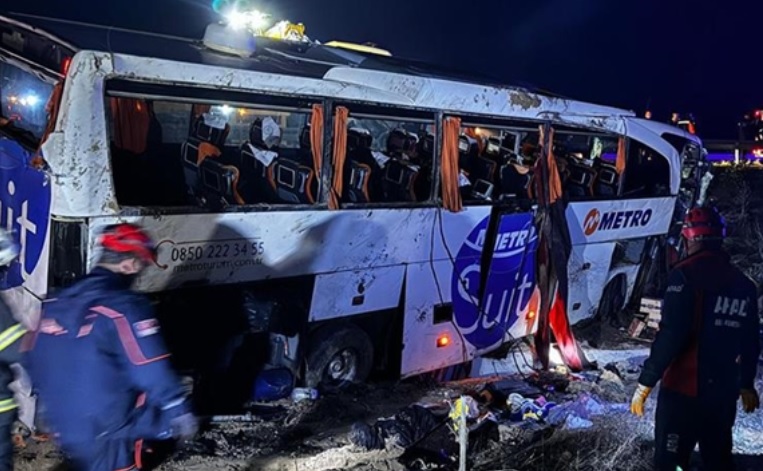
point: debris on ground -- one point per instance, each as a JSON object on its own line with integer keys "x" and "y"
{"x": 554, "y": 420}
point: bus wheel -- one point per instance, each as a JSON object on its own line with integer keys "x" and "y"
{"x": 338, "y": 356}
{"x": 612, "y": 301}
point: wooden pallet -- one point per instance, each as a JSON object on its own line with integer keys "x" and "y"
{"x": 646, "y": 322}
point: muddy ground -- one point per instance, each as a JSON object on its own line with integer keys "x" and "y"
{"x": 314, "y": 436}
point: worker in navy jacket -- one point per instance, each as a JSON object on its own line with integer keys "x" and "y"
{"x": 100, "y": 366}
{"x": 11, "y": 332}
{"x": 706, "y": 351}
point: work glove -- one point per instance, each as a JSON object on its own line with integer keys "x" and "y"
{"x": 750, "y": 400}
{"x": 639, "y": 398}
{"x": 184, "y": 427}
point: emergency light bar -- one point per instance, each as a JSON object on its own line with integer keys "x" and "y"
{"x": 237, "y": 32}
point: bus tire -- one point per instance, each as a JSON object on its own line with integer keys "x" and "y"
{"x": 338, "y": 356}
{"x": 612, "y": 301}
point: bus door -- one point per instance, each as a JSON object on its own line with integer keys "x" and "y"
{"x": 474, "y": 293}
{"x": 507, "y": 288}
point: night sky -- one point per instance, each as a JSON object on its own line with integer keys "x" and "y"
{"x": 703, "y": 56}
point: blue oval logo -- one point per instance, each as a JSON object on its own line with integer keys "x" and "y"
{"x": 25, "y": 197}
{"x": 509, "y": 284}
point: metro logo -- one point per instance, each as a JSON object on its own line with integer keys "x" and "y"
{"x": 613, "y": 220}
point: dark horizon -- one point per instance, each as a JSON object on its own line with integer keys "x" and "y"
{"x": 667, "y": 57}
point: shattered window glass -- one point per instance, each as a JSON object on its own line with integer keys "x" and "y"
{"x": 23, "y": 97}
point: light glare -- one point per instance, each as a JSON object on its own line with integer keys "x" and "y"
{"x": 254, "y": 19}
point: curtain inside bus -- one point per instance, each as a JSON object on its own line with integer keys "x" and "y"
{"x": 552, "y": 257}
{"x": 621, "y": 156}
{"x": 451, "y": 196}
{"x": 340, "y": 153}
{"x": 130, "y": 120}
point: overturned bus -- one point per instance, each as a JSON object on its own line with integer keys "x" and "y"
{"x": 352, "y": 212}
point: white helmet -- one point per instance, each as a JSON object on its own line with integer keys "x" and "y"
{"x": 8, "y": 250}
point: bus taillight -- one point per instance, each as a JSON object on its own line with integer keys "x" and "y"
{"x": 65, "y": 65}
{"x": 443, "y": 341}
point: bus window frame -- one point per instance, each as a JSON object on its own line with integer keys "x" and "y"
{"x": 513, "y": 126}
{"x": 24, "y": 138}
{"x": 624, "y": 177}
{"x": 365, "y": 110}
{"x": 251, "y": 100}
{"x": 561, "y": 130}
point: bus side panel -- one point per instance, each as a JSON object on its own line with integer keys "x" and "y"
{"x": 422, "y": 327}
{"x": 441, "y": 298}
{"x": 356, "y": 292}
{"x": 588, "y": 270}
{"x": 594, "y": 227}
{"x": 241, "y": 247}
{"x": 605, "y": 221}
{"x": 25, "y": 202}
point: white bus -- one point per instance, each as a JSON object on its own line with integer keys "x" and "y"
{"x": 335, "y": 200}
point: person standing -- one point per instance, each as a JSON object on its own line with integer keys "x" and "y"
{"x": 100, "y": 366}
{"x": 705, "y": 353}
{"x": 11, "y": 332}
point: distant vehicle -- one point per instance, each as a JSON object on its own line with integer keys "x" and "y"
{"x": 333, "y": 199}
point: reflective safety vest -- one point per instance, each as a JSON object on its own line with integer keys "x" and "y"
{"x": 7, "y": 338}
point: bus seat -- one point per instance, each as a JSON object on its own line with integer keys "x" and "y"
{"x": 357, "y": 178}
{"x": 265, "y": 133}
{"x": 397, "y": 142}
{"x": 483, "y": 169}
{"x": 359, "y": 138}
{"x": 580, "y": 181}
{"x": 294, "y": 183}
{"x": 362, "y": 173}
{"x": 219, "y": 184}
{"x": 399, "y": 181}
{"x": 207, "y": 128}
{"x": 515, "y": 180}
{"x": 606, "y": 181}
{"x": 468, "y": 149}
{"x": 204, "y": 140}
{"x": 305, "y": 145}
{"x": 258, "y": 157}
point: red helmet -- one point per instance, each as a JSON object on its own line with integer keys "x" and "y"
{"x": 703, "y": 223}
{"x": 129, "y": 238}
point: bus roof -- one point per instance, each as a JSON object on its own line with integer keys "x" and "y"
{"x": 312, "y": 61}
{"x": 284, "y": 68}
{"x": 273, "y": 56}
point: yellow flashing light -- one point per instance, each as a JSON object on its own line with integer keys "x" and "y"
{"x": 359, "y": 48}
{"x": 286, "y": 30}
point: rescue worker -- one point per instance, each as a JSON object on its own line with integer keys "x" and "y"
{"x": 11, "y": 332}
{"x": 706, "y": 351}
{"x": 100, "y": 366}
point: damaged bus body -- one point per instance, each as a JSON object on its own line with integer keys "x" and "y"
{"x": 331, "y": 203}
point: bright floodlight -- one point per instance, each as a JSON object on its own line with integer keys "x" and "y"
{"x": 253, "y": 19}
{"x": 30, "y": 100}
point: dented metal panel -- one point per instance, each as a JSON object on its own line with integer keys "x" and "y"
{"x": 78, "y": 153}
{"x": 356, "y": 292}
{"x": 462, "y": 97}
{"x": 429, "y": 285}
{"x": 588, "y": 272}
{"x": 166, "y": 71}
